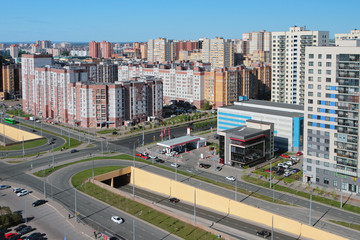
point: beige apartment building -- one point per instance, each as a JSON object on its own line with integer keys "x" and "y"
{"x": 160, "y": 50}
{"x": 219, "y": 52}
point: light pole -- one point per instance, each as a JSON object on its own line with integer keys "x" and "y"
{"x": 195, "y": 205}
{"x": 44, "y": 183}
{"x": 69, "y": 136}
{"x": 134, "y": 152}
{"x": 176, "y": 164}
{"x": 75, "y": 210}
{"x": 53, "y": 157}
{"x": 310, "y": 208}
{"x": 19, "y": 117}
{"x": 23, "y": 147}
{"x": 134, "y": 223}
{"x": 41, "y": 122}
{"x": 341, "y": 198}
{"x": 102, "y": 149}
{"x": 92, "y": 167}
{"x": 236, "y": 187}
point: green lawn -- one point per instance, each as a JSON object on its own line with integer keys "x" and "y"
{"x": 27, "y": 145}
{"x": 316, "y": 198}
{"x": 161, "y": 220}
{"x": 347, "y": 224}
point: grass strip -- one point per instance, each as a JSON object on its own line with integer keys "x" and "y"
{"x": 316, "y": 198}
{"x": 27, "y": 145}
{"x": 347, "y": 224}
{"x": 150, "y": 215}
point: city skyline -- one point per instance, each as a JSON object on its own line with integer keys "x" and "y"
{"x": 114, "y": 21}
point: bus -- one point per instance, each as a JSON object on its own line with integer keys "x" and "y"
{"x": 10, "y": 120}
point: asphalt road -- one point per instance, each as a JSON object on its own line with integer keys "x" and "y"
{"x": 319, "y": 212}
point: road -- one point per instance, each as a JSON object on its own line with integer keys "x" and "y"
{"x": 320, "y": 212}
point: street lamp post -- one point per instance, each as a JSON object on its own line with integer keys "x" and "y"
{"x": 53, "y": 157}
{"x": 310, "y": 208}
{"x": 44, "y": 183}
{"x": 236, "y": 187}
{"x": 341, "y": 198}
{"x": 92, "y": 167}
{"x": 69, "y": 136}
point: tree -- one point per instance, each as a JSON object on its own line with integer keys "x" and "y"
{"x": 206, "y": 105}
{"x": 65, "y": 53}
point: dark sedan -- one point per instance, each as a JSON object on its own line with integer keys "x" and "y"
{"x": 38, "y": 202}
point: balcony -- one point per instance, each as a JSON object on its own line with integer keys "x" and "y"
{"x": 346, "y": 171}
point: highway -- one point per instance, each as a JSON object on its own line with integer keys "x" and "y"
{"x": 319, "y": 213}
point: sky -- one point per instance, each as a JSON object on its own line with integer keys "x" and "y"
{"x": 129, "y": 21}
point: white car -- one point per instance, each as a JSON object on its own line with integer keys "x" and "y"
{"x": 287, "y": 174}
{"x": 281, "y": 164}
{"x": 152, "y": 157}
{"x": 17, "y": 190}
{"x": 22, "y": 193}
{"x": 175, "y": 165}
{"x": 117, "y": 219}
{"x": 289, "y": 163}
{"x": 231, "y": 178}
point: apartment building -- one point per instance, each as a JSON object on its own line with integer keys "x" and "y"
{"x": 106, "y": 49}
{"x": 11, "y": 80}
{"x": 14, "y": 50}
{"x": 331, "y": 152}
{"x": 160, "y": 50}
{"x": 354, "y": 34}
{"x": 65, "y": 94}
{"x": 219, "y": 52}
{"x": 257, "y": 41}
{"x": 288, "y": 62}
{"x": 180, "y": 82}
{"x": 94, "y": 49}
{"x": 107, "y": 72}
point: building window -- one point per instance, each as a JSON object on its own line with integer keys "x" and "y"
{"x": 319, "y": 56}
{"x": 311, "y": 63}
{"x": 310, "y": 94}
{"x": 311, "y": 71}
{"x": 328, "y": 72}
{"x": 328, "y": 79}
{"x": 317, "y": 179}
{"x": 328, "y": 64}
{"x": 311, "y": 55}
{"x": 328, "y": 56}
{"x": 319, "y": 71}
{"x": 326, "y": 172}
{"x": 311, "y": 79}
{"x": 335, "y": 183}
{"x": 310, "y": 86}
{"x": 326, "y": 181}
{"x": 317, "y": 162}
{"x": 308, "y": 168}
{"x": 317, "y": 170}
{"x": 319, "y": 64}
{"x": 309, "y": 160}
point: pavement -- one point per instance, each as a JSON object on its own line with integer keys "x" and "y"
{"x": 50, "y": 218}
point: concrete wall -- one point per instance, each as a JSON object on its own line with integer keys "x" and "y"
{"x": 17, "y": 135}
{"x": 166, "y": 186}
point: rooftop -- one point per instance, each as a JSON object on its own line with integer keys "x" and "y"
{"x": 178, "y": 141}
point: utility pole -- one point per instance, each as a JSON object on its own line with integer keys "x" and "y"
{"x": 102, "y": 149}
{"x": 133, "y": 175}
{"x": 270, "y": 174}
{"x": 176, "y": 169}
{"x": 133, "y": 228}
{"x": 19, "y": 118}
{"x": 272, "y": 227}
{"x": 143, "y": 140}
{"x": 88, "y": 135}
{"x": 69, "y": 136}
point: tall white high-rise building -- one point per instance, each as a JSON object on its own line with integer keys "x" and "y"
{"x": 14, "y": 50}
{"x": 219, "y": 52}
{"x": 331, "y": 119}
{"x": 288, "y": 62}
{"x": 160, "y": 50}
{"x": 354, "y": 34}
{"x": 257, "y": 41}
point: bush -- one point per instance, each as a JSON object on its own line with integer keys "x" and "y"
{"x": 10, "y": 220}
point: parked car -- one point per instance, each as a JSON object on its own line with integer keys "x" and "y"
{"x": 152, "y": 157}
{"x": 34, "y": 235}
{"x": 17, "y": 237}
{"x": 289, "y": 163}
{"x": 145, "y": 157}
{"x": 175, "y": 165}
{"x": 280, "y": 172}
{"x": 287, "y": 174}
{"x": 73, "y": 151}
{"x": 117, "y": 219}
{"x": 26, "y": 118}
{"x": 174, "y": 200}
{"x": 138, "y": 154}
{"x": 159, "y": 160}
{"x": 281, "y": 164}
{"x": 39, "y": 202}
{"x": 263, "y": 233}
{"x": 295, "y": 170}
{"x": 299, "y": 153}
{"x": 17, "y": 190}
{"x": 231, "y": 178}
{"x": 9, "y": 235}
{"x": 4, "y": 187}
{"x": 285, "y": 155}
{"x": 25, "y": 230}
{"x": 22, "y": 193}
{"x": 204, "y": 165}
{"x": 218, "y": 169}
{"x": 20, "y": 227}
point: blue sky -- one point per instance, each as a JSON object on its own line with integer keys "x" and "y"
{"x": 123, "y": 21}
